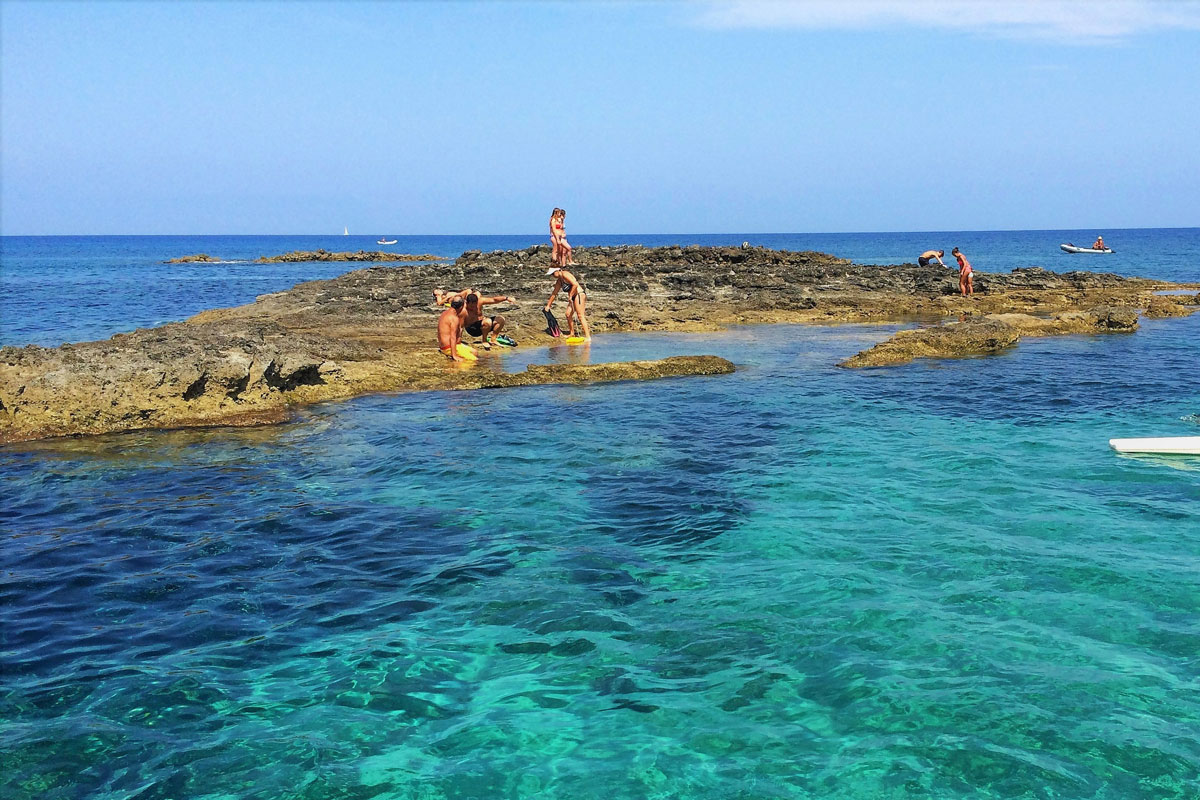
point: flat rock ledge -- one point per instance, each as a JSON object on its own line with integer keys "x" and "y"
{"x": 989, "y": 334}
{"x": 240, "y": 386}
{"x": 373, "y": 330}
{"x": 297, "y": 256}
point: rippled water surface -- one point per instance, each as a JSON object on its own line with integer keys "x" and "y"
{"x": 795, "y": 581}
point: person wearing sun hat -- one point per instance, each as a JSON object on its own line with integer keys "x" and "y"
{"x": 576, "y": 300}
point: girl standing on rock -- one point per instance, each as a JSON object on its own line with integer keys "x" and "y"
{"x": 558, "y": 236}
{"x": 555, "y": 227}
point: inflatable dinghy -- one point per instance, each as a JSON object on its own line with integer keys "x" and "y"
{"x": 1070, "y": 248}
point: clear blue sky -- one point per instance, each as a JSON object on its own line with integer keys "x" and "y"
{"x": 671, "y": 117}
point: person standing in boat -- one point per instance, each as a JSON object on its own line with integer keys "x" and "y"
{"x": 966, "y": 284}
{"x": 1099, "y": 243}
{"x": 931, "y": 255}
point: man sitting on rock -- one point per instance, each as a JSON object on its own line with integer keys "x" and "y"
{"x": 450, "y": 328}
{"x": 475, "y": 323}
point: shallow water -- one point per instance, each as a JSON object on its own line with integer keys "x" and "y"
{"x": 794, "y": 581}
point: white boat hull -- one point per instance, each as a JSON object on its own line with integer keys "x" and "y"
{"x": 1171, "y": 445}
{"x": 1070, "y": 248}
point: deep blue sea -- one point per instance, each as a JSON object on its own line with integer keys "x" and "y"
{"x": 796, "y": 581}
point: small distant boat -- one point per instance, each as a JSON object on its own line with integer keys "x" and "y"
{"x": 387, "y": 241}
{"x": 1070, "y": 248}
{"x": 1170, "y": 445}
{"x": 345, "y": 231}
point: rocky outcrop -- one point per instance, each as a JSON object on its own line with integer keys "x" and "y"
{"x": 982, "y": 335}
{"x": 243, "y": 382}
{"x": 174, "y": 376}
{"x": 542, "y": 374}
{"x": 374, "y": 329}
{"x": 362, "y": 255}
{"x": 1158, "y": 306}
{"x": 199, "y": 258}
{"x": 953, "y": 340}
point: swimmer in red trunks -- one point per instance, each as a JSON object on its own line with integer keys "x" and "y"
{"x": 966, "y": 285}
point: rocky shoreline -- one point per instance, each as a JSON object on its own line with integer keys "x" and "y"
{"x": 301, "y": 256}
{"x": 373, "y": 330}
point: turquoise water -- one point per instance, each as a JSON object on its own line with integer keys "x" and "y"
{"x": 796, "y": 581}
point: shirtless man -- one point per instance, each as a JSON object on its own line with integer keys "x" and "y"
{"x": 966, "y": 285}
{"x": 576, "y": 300}
{"x": 474, "y": 322}
{"x": 931, "y": 255}
{"x": 450, "y": 328}
{"x": 1099, "y": 243}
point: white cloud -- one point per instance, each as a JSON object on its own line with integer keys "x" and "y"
{"x": 1072, "y": 20}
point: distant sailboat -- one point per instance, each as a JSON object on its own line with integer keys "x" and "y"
{"x": 346, "y": 231}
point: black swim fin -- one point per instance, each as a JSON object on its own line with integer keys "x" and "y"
{"x": 552, "y": 324}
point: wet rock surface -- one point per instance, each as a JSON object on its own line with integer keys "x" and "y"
{"x": 975, "y": 336}
{"x": 1158, "y": 306}
{"x": 374, "y": 330}
{"x": 972, "y": 337}
{"x": 297, "y": 256}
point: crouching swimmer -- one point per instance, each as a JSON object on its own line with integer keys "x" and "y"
{"x": 450, "y": 328}
{"x": 474, "y": 322}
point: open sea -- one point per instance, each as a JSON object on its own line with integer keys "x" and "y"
{"x": 796, "y": 581}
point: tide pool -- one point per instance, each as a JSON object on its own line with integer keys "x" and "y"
{"x": 794, "y": 581}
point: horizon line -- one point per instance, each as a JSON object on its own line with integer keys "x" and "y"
{"x": 636, "y": 233}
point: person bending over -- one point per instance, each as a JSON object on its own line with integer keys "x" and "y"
{"x": 478, "y": 325}
{"x": 931, "y": 255}
{"x": 450, "y": 328}
{"x": 576, "y": 300}
{"x": 475, "y": 323}
{"x": 966, "y": 284}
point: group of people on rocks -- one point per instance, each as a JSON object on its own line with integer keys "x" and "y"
{"x": 465, "y": 312}
{"x": 966, "y": 283}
